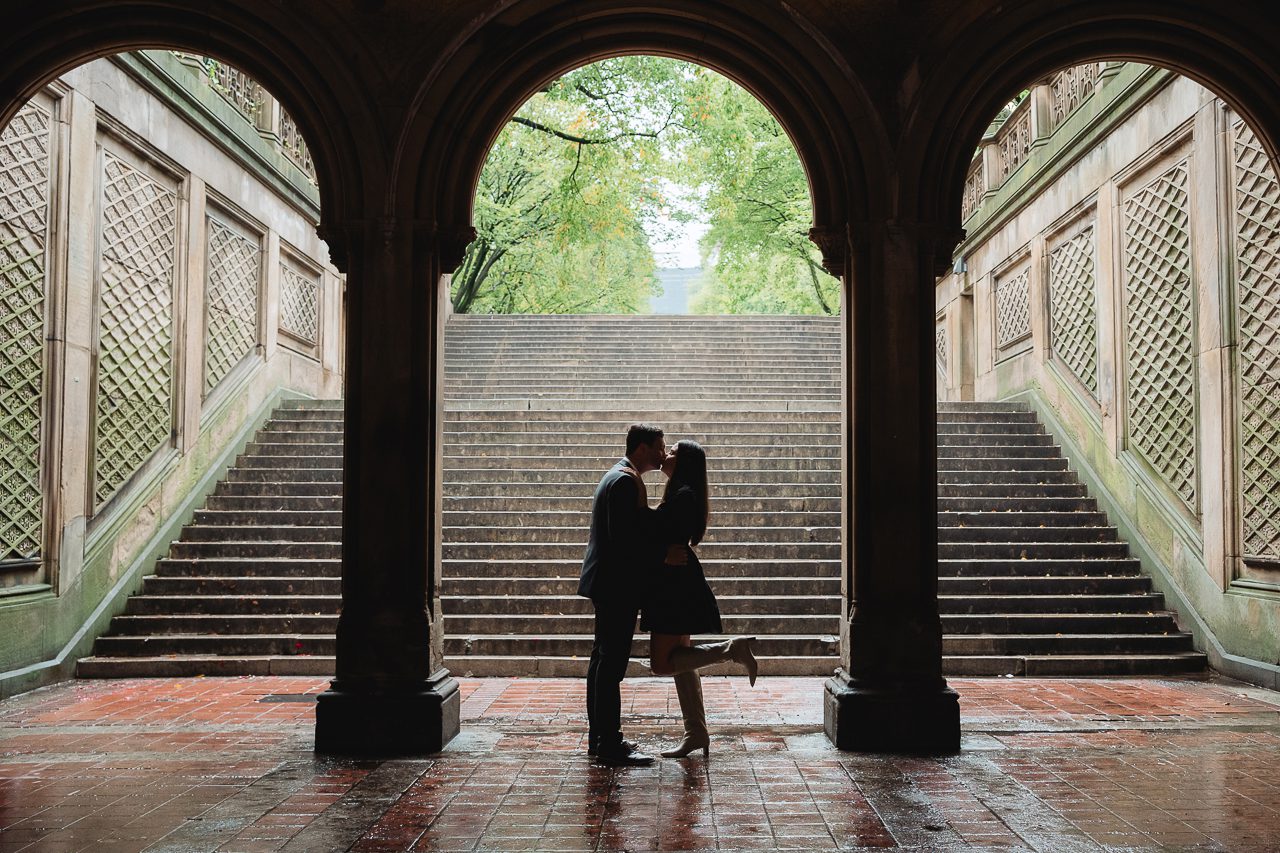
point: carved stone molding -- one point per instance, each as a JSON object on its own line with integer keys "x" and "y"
{"x": 833, "y": 242}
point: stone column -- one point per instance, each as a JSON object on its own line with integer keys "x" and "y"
{"x": 392, "y": 694}
{"x": 889, "y": 694}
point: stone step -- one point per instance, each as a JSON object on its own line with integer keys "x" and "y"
{"x": 265, "y": 585}
{"x": 554, "y": 607}
{"x": 1057, "y": 623}
{"x": 535, "y": 469}
{"x": 606, "y": 444}
{"x": 734, "y": 521}
{"x": 1003, "y": 476}
{"x": 532, "y": 488}
{"x": 1062, "y": 665}
{"x": 722, "y": 506}
{"x": 1032, "y": 585}
{"x": 988, "y": 450}
{"x": 575, "y": 623}
{"x": 1037, "y": 567}
{"x": 267, "y": 489}
{"x": 1027, "y": 498}
{"x": 1027, "y": 465}
{"x": 561, "y": 550}
{"x": 571, "y": 567}
{"x": 179, "y": 606}
{"x": 980, "y": 417}
{"x": 276, "y": 503}
{"x": 231, "y": 567}
{"x": 224, "y": 623}
{"x": 1026, "y": 535}
{"x": 717, "y": 535}
{"x": 699, "y": 414}
{"x": 268, "y": 518}
{"x": 606, "y": 454}
{"x": 1009, "y": 605}
{"x": 1017, "y": 440}
{"x": 1013, "y": 515}
{"x": 263, "y": 549}
{"x": 568, "y": 585}
{"x": 293, "y": 533}
{"x": 326, "y": 469}
{"x": 972, "y": 645}
{"x": 996, "y": 407}
{"x": 1031, "y": 550}
{"x": 204, "y": 665}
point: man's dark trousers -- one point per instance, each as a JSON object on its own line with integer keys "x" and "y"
{"x": 615, "y": 625}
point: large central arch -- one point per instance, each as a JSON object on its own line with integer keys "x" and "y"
{"x": 892, "y": 690}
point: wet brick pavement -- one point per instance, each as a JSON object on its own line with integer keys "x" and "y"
{"x": 225, "y": 764}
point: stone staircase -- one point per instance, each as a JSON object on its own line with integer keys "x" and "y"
{"x": 538, "y": 408}
{"x": 1032, "y": 578}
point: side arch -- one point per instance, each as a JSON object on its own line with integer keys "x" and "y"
{"x": 296, "y": 64}
{"x": 470, "y": 95}
{"x": 969, "y": 73}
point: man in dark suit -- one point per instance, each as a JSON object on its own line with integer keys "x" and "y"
{"x": 618, "y": 552}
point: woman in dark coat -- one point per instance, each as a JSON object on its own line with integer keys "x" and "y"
{"x": 681, "y": 603}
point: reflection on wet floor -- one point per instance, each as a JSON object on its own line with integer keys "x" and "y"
{"x": 226, "y": 764}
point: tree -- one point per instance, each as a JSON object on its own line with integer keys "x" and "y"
{"x": 566, "y": 193}
{"x": 758, "y": 254}
{"x": 586, "y": 171}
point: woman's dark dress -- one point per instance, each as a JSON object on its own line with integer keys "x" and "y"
{"x": 679, "y": 601}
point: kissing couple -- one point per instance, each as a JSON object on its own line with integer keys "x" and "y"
{"x": 640, "y": 560}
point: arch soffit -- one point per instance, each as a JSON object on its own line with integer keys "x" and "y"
{"x": 471, "y": 95}
{"x": 297, "y": 68}
{"x": 1227, "y": 51}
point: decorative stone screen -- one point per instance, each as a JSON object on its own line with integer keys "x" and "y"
{"x": 1073, "y": 309}
{"x": 940, "y": 344}
{"x": 1257, "y": 253}
{"x": 1013, "y": 140}
{"x": 299, "y": 303}
{"x": 134, "y": 393}
{"x": 1013, "y": 308}
{"x": 24, "y": 214}
{"x": 234, "y": 272}
{"x": 1159, "y": 334}
{"x": 1069, "y": 87}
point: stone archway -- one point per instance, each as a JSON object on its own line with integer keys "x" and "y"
{"x": 890, "y": 692}
{"x": 399, "y": 101}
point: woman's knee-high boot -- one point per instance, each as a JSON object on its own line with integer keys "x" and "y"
{"x": 687, "y": 658}
{"x": 689, "y": 691}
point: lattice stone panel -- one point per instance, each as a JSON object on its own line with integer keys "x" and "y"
{"x": 134, "y": 397}
{"x": 1159, "y": 334}
{"x": 299, "y": 303}
{"x": 1073, "y": 308}
{"x": 940, "y": 344}
{"x": 231, "y": 300}
{"x": 1257, "y": 252}
{"x": 24, "y": 208}
{"x": 1013, "y": 308}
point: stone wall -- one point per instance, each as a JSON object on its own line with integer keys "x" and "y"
{"x": 162, "y": 287}
{"x": 1122, "y": 277}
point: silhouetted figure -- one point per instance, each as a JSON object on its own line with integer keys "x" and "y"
{"x": 679, "y": 600}
{"x": 620, "y": 550}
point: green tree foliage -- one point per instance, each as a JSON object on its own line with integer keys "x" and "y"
{"x": 565, "y": 194}
{"x": 584, "y": 174}
{"x": 758, "y": 257}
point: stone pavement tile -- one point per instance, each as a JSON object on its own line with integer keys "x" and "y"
{"x": 226, "y": 764}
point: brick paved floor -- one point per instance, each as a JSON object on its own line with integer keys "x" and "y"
{"x": 1055, "y": 765}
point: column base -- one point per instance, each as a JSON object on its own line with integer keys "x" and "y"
{"x": 892, "y": 718}
{"x": 373, "y": 722}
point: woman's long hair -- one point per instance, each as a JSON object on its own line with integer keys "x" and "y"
{"x": 691, "y": 471}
